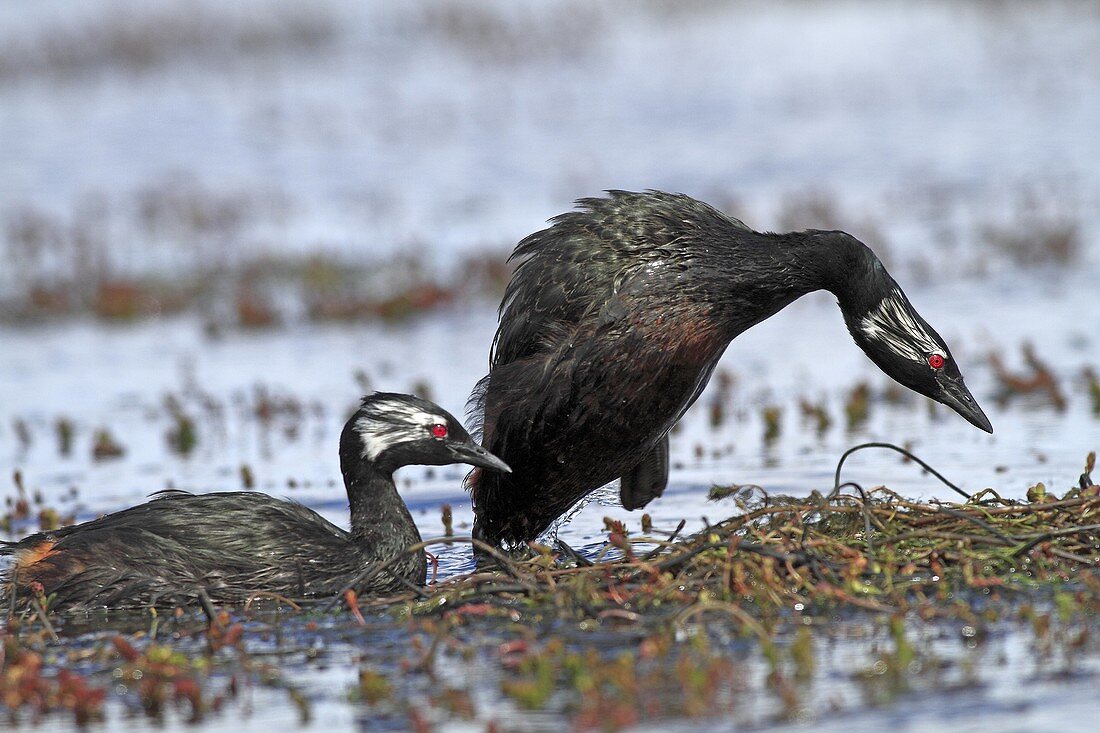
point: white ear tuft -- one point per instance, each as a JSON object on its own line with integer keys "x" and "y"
{"x": 892, "y": 323}
{"x": 386, "y": 423}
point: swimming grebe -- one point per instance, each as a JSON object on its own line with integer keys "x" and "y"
{"x": 614, "y": 320}
{"x": 232, "y": 545}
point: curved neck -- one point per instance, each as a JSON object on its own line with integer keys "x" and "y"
{"x": 855, "y": 275}
{"x": 774, "y": 270}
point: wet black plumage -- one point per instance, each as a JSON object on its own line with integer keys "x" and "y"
{"x": 612, "y": 323}
{"x": 233, "y": 545}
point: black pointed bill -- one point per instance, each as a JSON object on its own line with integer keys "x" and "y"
{"x": 954, "y": 394}
{"x": 475, "y": 455}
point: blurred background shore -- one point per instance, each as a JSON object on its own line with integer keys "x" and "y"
{"x": 262, "y": 162}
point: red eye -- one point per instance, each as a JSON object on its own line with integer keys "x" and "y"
{"x": 439, "y": 430}
{"x": 935, "y": 361}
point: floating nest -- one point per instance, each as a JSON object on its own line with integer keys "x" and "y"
{"x": 872, "y": 550}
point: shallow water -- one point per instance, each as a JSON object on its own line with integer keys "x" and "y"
{"x": 364, "y": 129}
{"x": 119, "y": 377}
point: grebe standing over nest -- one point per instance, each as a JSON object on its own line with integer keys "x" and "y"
{"x": 614, "y": 320}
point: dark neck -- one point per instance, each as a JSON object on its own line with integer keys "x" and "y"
{"x": 852, "y": 272}
{"x": 380, "y": 521}
{"x": 774, "y": 270}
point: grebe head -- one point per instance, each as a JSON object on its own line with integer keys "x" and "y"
{"x": 904, "y": 346}
{"x": 391, "y": 430}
